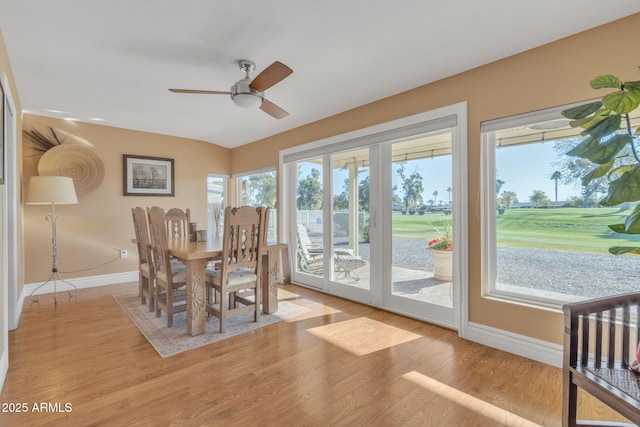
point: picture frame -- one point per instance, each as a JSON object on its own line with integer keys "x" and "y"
{"x": 147, "y": 176}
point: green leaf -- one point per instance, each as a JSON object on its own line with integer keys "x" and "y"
{"x": 618, "y": 228}
{"x": 604, "y": 127}
{"x": 597, "y": 172}
{"x": 624, "y": 189}
{"x": 622, "y": 102}
{"x": 582, "y": 149}
{"x": 619, "y": 250}
{"x": 620, "y": 170}
{"x": 606, "y": 152}
{"x": 585, "y": 122}
{"x": 632, "y": 223}
{"x": 632, "y": 85}
{"x": 607, "y": 81}
{"x": 582, "y": 111}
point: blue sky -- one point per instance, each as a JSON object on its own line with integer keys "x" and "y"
{"x": 523, "y": 168}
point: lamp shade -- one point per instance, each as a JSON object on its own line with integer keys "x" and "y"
{"x": 44, "y": 190}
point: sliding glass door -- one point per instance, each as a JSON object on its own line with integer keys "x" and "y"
{"x": 307, "y": 228}
{"x": 351, "y": 259}
{"x": 420, "y": 226}
{"x": 381, "y": 219}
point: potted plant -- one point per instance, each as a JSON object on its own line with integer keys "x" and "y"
{"x": 614, "y": 147}
{"x": 442, "y": 252}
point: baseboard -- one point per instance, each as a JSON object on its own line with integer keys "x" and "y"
{"x": 531, "y": 348}
{"x": 80, "y": 283}
{"x": 13, "y": 323}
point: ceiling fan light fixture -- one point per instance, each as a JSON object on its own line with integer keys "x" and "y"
{"x": 247, "y": 100}
{"x": 249, "y": 93}
{"x": 244, "y": 96}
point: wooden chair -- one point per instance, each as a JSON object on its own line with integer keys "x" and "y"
{"x": 170, "y": 278}
{"x": 178, "y": 222}
{"x": 146, "y": 277}
{"x": 600, "y": 338}
{"x": 238, "y": 278}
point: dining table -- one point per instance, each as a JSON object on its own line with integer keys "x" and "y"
{"x": 196, "y": 256}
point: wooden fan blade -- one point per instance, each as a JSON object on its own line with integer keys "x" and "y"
{"x": 206, "y": 92}
{"x": 271, "y": 75}
{"x": 273, "y": 110}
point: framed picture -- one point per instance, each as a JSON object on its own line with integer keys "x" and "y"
{"x": 147, "y": 176}
{"x": 2, "y": 138}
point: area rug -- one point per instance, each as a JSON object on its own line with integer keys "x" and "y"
{"x": 170, "y": 341}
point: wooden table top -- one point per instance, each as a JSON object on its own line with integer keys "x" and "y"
{"x": 188, "y": 250}
{"x": 185, "y": 249}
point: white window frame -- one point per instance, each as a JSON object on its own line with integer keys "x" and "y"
{"x": 488, "y": 205}
{"x": 237, "y": 177}
{"x": 226, "y": 198}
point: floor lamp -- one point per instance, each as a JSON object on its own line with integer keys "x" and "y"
{"x": 53, "y": 190}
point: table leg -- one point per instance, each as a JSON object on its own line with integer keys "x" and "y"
{"x": 285, "y": 268}
{"x": 269, "y": 280}
{"x": 196, "y": 290}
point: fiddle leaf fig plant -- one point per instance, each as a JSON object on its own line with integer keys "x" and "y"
{"x": 613, "y": 146}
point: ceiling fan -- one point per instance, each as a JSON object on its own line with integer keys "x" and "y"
{"x": 248, "y": 93}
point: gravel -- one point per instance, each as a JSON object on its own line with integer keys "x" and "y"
{"x": 583, "y": 274}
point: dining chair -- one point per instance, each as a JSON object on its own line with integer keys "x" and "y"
{"x": 237, "y": 281}
{"x": 170, "y": 277}
{"x": 178, "y": 221}
{"x": 146, "y": 275}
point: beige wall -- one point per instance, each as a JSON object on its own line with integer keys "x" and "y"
{"x": 548, "y": 76}
{"x": 93, "y": 231}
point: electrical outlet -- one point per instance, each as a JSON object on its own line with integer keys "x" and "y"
{"x": 123, "y": 253}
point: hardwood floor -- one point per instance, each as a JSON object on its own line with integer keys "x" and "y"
{"x": 340, "y": 364}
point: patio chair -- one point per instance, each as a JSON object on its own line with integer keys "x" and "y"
{"x": 310, "y": 258}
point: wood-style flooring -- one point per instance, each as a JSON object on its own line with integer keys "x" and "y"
{"x": 83, "y": 362}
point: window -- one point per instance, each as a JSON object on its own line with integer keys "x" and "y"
{"x": 546, "y": 237}
{"x": 216, "y": 200}
{"x": 259, "y": 189}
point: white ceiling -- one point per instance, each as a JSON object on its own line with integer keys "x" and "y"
{"x": 114, "y": 60}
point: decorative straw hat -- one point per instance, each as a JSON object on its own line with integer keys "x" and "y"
{"x": 75, "y": 161}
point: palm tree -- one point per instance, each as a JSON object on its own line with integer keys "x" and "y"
{"x": 435, "y": 197}
{"x": 556, "y": 176}
{"x": 449, "y": 190}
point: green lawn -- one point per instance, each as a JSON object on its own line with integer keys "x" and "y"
{"x": 566, "y": 229}
{"x": 419, "y": 226}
